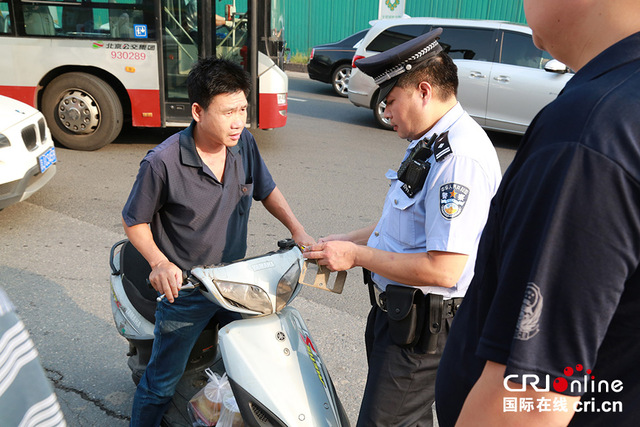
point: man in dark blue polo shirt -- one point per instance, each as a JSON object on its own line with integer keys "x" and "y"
{"x": 548, "y": 332}
{"x": 190, "y": 206}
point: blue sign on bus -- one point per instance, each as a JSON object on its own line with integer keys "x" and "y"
{"x": 140, "y": 31}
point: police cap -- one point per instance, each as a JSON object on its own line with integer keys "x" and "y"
{"x": 387, "y": 67}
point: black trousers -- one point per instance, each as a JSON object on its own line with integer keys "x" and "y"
{"x": 400, "y": 387}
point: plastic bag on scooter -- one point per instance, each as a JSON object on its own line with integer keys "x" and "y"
{"x": 230, "y": 415}
{"x": 206, "y": 405}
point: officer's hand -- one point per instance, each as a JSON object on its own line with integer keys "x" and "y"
{"x": 331, "y": 237}
{"x": 337, "y": 255}
{"x": 166, "y": 278}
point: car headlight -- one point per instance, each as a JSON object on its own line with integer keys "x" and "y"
{"x": 4, "y": 141}
{"x": 287, "y": 285}
{"x": 247, "y": 296}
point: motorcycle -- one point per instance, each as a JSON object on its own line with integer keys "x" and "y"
{"x": 276, "y": 373}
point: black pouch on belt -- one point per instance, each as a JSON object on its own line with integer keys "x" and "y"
{"x": 435, "y": 322}
{"x": 406, "y": 310}
{"x": 366, "y": 276}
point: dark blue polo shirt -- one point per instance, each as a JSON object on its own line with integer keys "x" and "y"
{"x": 194, "y": 218}
{"x": 557, "y": 279}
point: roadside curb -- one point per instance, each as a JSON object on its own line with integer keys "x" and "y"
{"x": 301, "y": 68}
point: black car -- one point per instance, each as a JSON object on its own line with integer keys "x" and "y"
{"x": 331, "y": 62}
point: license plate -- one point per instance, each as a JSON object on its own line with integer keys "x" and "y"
{"x": 47, "y": 159}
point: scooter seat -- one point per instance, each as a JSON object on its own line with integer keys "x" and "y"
{"x": 135, "y": 272}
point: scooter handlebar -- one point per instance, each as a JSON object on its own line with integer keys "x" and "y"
{"x": 189, "y": 285}
{"x": 188, "y": 282}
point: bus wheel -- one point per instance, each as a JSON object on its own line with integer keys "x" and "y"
{"x": 82, "y": 111}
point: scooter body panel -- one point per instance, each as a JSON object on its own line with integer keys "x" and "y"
{"x": 275, "y": 360}
{"x": 129, "y": 322}
{"x": 271, "y": 360}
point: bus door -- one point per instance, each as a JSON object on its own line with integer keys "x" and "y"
{"x": 180, "y": 50}
{"x": 254, "y": 36}
{"x": 230, "y": 30}
{"x": 233, "y": 41}
{"x": 193, "y": 29}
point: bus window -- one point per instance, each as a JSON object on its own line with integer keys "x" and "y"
{"x": 107, "y": 19}
{"x": 38, "y": 20}
{"x": 5, "y": 20}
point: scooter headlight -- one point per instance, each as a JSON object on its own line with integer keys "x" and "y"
{"x": 287, "y": 285}
{"x": 247, "y": 296}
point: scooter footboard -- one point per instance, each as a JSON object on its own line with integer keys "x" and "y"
{"x": 276, "y": 366}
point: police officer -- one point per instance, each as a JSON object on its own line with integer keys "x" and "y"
{"x": 422, "y": 250}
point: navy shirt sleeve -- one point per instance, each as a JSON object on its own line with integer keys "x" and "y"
{"x": 567, "y": 249}
{"x": 146, "y": 197}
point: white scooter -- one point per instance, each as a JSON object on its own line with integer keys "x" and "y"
{"x": 276, "y": 373}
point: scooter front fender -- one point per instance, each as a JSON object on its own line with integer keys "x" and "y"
{"x": 275, "y": 362}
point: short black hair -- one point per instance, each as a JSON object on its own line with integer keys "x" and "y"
{"x": 440, "y": 71}
{"x": 213, "y": 76}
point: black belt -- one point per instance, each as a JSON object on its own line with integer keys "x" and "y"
{"x": 448, "y": 311}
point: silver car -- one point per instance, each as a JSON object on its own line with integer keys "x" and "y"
{"x": 504, "y": 79}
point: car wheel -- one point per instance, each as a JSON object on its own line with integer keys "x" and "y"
{"x": 340, "y": 79}
{"x": 82, "y": 111}
{"x": 378, "y": 113}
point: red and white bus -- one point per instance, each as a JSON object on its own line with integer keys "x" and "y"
{"x": 92, "y": 65}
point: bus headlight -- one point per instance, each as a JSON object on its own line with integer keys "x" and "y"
{"x": 282, "y": 98}
{"x": 247, "y": 296}
{"x": 287, "y": 285}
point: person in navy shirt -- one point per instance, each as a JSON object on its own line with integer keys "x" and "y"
{"x": 548, "y": 331}
{"x": 190, "y": 206}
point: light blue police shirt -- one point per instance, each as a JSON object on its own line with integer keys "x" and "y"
{"x": 449, "y": 212}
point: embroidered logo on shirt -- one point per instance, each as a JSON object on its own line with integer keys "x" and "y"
{"x": 529, "y": 319}
{"x": 453, "y": 198}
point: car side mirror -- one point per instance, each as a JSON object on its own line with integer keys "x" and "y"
{"x": 555, "y": 66}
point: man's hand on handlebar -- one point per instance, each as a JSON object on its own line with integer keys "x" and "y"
{"x": 166, "y": 278}
{"x": 303, "y": 239}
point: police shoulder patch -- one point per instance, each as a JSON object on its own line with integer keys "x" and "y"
{"x": 453, "y": 198}
{"x": 442, "y": 148}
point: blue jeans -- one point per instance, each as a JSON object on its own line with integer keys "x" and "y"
{"x": 177, "y": 328}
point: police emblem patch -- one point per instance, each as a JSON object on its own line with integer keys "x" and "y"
{"x": 529, "y": 318}
{"x": 453, "y": 198}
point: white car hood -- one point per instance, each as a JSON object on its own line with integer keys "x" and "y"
{"x": 13, "y": 112}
